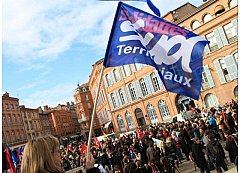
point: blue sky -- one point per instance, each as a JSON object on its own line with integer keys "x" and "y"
{"x": 50, "y": 46}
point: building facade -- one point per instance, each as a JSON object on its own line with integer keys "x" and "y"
{"x": 12, "y": 123}
{"x": 31, "y": 121}
{"x": 61, "y": 122}
{"x": 134, "y": 94}
{"x": 72, "y": 107}
{"x": 84, "y": 107}
{"x": 44, "y": 119}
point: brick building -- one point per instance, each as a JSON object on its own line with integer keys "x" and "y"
{"x": 84, "y": 107}
{"x": 12, "y": 123}
{"x": 31, "y": 121}
{"x": 61, "y": 122}
{"x": 44, "y": 119}
{"x": 72, "y": 107}
{"x": 133, "y": 95}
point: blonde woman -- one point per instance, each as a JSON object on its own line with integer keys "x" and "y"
{"x": 37, "y": 158}
{"x": 54, "y": 145}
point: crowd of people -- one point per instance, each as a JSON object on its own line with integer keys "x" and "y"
{"x": 158, "y": 148}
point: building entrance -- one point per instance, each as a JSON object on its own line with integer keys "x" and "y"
{"x": 140, "y": 117}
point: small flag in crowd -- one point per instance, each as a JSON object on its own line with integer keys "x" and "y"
{"x": 176, "y": 53}
{"x": 83, "y": 149}
{"x": 11, "y": 168}
{"x": 96, "y": 143}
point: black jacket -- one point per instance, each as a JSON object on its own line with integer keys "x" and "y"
{"x": 198, "y": 155}
{"x": 232, "y": 148}
{"x": 215, "y": 151}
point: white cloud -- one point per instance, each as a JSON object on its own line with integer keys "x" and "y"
{"x": 34, "y": 30}
{"x": 58, "y": 94}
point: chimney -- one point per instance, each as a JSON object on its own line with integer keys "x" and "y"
{"x": 45, "y": 108}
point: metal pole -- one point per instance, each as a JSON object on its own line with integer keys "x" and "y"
{"x": 93, "y": 113}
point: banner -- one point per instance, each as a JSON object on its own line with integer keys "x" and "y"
{"x": 176, "y": 53}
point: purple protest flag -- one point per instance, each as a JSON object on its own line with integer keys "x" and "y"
{"x": 176, "y": 53}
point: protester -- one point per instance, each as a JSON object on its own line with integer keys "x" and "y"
{"x": 199, "y": 156}
{"x": 231, "y": 147}
{"x": 37, "y": 158}
{"x": 216, "y": 154}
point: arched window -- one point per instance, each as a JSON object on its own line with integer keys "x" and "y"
{"x": 116, "y": 75}
{"x": 108, "y": 79}
{"x": 156, "y": 83}
{"x": 130, "y": 121}
{"x": 207, "y": 17}
{"x": 122, "y": 97}
{"x": 235, "y": 92}
{"x": 163, "y": 108}
{"x": 235, "y": 55}
{"x": 121, "y": 124}
{"x": 113, "y": 100}
{"x": 132, "y": 92}
{"x": 233, "y": 3}
{"x": 211, "y": 100}
{"x": 143, "y": 87}
{"x": 127, "y": 70}
{"x": 152, "y": 114}
{"x": 195, "y": 24}
{"x": 219, "y": 10}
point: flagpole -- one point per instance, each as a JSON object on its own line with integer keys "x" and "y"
{"x": 93, "y": 112}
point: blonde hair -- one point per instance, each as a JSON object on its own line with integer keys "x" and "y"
{"x": 37, "y": 159}
{"x": 52, "y": 142}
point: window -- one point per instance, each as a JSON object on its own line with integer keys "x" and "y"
{"x": 13, "y": 135}
{"x": 108, "y": 79}
{"x": 130, "y": 121}
{"x": 113, "y": 100}
{"x": 207, "y": 80}
{"x": 207, "y": 17}
{"x": 233, "y": 3}
{"x": 88, "y": 105}
{"x": 11, "y": 106}
{"x": 213, "y": 41}
{"x": 7, "y": 106}
{"x": 143, "y": 87}
{"x": 4, "y": 120}
{"x": 219, "y": 10}
{"x": 163, "y": 108}
{"x": 231, "y": 33}
{"x": 8, "y": 136}
{"x": 224, "y": 70}
{"x": 132, "y": 92}
{"x": 9, "y": 119}
{"x": 138, "y": 66}
{"x": 121, "y": 124}
{"x": 235, "y": 55}
{"x": 127, "y": 70}
{"x": 195, "y": 24}
{"x": 155, "y": 81}
{"x": 86, "y": 97}
{"x": 122, "y": 96}
{"x": 14, "y": 118}
{"x": 16, "y": 107}
{"x": 116, "y": 75}
{"x": 152, "y": 114}
{"x": 211, "y": 100}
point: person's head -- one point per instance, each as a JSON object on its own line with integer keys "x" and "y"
{"x": 54, "y": 145}
{"x": 37, "y": 158}
{"x": 197, "y": 140}
{"x": 117, "y": 169}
